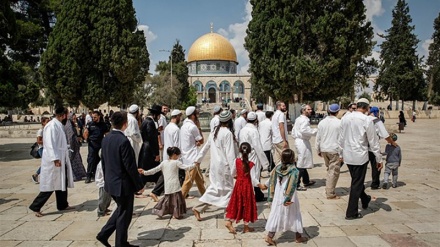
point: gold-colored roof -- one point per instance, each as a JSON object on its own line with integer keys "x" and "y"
{"x": 212, "y": 46}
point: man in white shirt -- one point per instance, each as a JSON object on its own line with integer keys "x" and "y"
{"x": 260, "y": 113}
{"x": 191, "y": 138}
{"x": 89, "y": 117}
{"x": 328, "y": 148}
{"x": 279, "y": 131}
{"x": 357, "y": 133}
{"x": 132, "y": 132}
{"x": 265, "y": 129}
{"x": 171, "y": 137}
{"x": 239, "y": 123}
{"x": 302, "y": 132}
{"x": 250, "y": 135}
{"x": 383, "y": 134}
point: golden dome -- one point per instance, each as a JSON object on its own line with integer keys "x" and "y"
{"x": 212, "y": 46}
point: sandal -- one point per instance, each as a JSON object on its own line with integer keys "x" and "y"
{"x": 231, "y": 229}
{"x": 270, "y": 241}
{"x": 39, "y": 214}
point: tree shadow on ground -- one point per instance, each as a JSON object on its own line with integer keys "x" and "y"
{"x": 15, "y": 152}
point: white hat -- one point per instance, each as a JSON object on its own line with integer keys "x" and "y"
{"x": 251, "y": 116}
{"x": 133, "y": 108}
{"x": 217, "y": 108}
{"x": 243, "y": 111}
{"x": 363, "y": 100}
{"x": 190, "y": 110}
{"x": 175, "y": 112}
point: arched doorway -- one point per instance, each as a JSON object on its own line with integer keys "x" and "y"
{"x": 211, "y": 95}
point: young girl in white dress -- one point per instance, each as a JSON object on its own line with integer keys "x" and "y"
{"x": 173, "y": 202}
{"x": 285, "y": 214}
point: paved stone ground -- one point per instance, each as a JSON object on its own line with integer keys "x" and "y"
{"x": 408, "y": 215}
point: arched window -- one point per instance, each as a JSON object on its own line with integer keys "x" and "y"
{"x": 211, "y": 84}
{"x": 198, "y": 85}
{"x": 225, "y": 86}
{"x": 238, "y": 87}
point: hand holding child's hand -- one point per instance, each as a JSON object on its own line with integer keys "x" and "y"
{"x": 287, "y": 203}
{"x": 141, "y": 171}
{"x": 379, "y": 166}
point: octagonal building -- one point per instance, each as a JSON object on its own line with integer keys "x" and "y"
{"x": 212, "y": 66}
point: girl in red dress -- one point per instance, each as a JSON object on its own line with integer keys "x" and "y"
{"x": 242, "y": 205}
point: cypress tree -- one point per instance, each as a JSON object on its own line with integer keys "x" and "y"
{"x": 315, "y": 49}
{"x": 400, "y": 75}
{"x": 433, "y": 63}
{"x": 95, "y": 53}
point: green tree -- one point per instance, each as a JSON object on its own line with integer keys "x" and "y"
{"x": 314, "y": 52}
{"x": 400, "y": 74}
{"x": 433, "y": 62}
{"x": 95, "y": 54}
{"x": 180, "y": 73}
{"x": 24, "y": 28}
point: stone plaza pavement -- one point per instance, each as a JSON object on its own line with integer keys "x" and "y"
{"x": 408, "y": 215}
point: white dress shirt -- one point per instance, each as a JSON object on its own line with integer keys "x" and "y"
{"x": 328, "y": 133}
{"x": 171, "y": 137}
{"x": 261, "y": 115}
{"x": 215, "y": 121}
{"x": 189, "y": 134}
{"x": 357, "y": 132}
{"x": 265, "y": 129}
{"x": 238, "y": 125}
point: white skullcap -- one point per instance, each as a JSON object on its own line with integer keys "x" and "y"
{"x": 133, "y": 108}
{"x": 251, "y": 116}
{"x": 363, "y": 100}
{"x": 190, "y": 110}
{"x": 175, "y": 112}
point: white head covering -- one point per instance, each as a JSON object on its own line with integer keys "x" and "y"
{"x": 190, "y": 110}
{"x": 251, "y": 116}
{"x": 133, "y": 108}
{"x": 175, "y": 112}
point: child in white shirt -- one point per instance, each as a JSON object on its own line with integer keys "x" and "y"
{"x": 104, "y": 197}
{"x": 173, "y": 202}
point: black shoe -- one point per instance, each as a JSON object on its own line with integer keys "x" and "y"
{"x": 310, "y": 183}
{"x": 365, "y": 205}
{"x": 264, "y": 199}
{"x": 385, "y": 186}
{"x": 88, "y": 180}
{"x": 357, "y": 216}
{"x": 130, "y": 245}
{"x": 35, "y": 178}
{"x": 375, "y": 187}
{"x": 103, "y": 241}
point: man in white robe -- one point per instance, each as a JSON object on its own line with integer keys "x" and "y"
{"x": 251, "y": 135}
{"x": 302, "y": 132}
{"x": 223, "y": 150}
{"x": 132, "y": 132}
{"x": 56, "y": 171}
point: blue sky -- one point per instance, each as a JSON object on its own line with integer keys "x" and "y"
{"x": 164, "y": 21}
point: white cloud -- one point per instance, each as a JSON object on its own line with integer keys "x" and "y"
{"x": 374, "y": 8}
{"x": 236, "y": 33}
{"x": 424, "y": 51}
{"x": 149, "y": 35}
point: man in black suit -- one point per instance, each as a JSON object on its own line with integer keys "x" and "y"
{"x": 121, "y": 180}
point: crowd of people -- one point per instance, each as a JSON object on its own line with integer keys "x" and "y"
{"x": 123, "y": 159}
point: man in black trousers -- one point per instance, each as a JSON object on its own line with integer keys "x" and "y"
{"x": 122, "y": 180}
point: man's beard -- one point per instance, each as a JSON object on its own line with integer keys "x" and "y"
{"x": 283, "y": 110}
{"x": 64, "y": 121}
